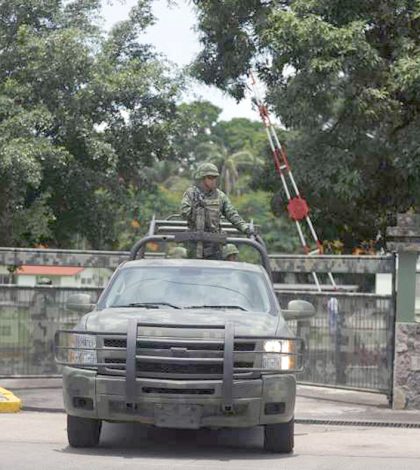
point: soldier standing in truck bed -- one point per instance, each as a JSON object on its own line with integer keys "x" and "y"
{"x": 203, "y": 205}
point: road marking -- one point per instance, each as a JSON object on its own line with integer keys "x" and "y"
{"x": 9, "y": 403}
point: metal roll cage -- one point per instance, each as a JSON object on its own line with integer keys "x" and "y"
{"x": 177, "y": 231}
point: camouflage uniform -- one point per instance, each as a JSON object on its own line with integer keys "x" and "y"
{"x": 203, "y": 211}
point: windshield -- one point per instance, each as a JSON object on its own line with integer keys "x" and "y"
{"x": 189, "y": 287}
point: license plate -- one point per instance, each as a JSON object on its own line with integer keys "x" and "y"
{"x": 178, "y": 416}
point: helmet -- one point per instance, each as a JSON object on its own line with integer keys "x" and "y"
{"x": 229, "y": 249}
{"x": 178, "y": 252}
{"x": 206, "y": 169}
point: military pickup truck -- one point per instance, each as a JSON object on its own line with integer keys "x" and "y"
{"x": 184, "y": 343}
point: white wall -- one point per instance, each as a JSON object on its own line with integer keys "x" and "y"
{"x": 25, "y": 280}
{"x": 89, "y": 277}
{"x": 383, "y": 285}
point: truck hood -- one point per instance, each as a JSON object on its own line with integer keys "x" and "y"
{"x": 246, "y": 323}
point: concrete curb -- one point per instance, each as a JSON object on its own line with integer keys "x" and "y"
{"x": 9, "y": 403}
{"x": 43, "y": 409}
{"x": 357, "y": 422}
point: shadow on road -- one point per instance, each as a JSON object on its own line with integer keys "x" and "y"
{"x": 132, "y": 440}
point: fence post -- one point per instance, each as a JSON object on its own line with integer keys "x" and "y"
{"x": 406, "y": 286}
{"x": 405, "y": 240}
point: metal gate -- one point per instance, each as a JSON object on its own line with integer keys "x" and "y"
{"x": 29, "y": 318}
{"x": 349, "y": 343}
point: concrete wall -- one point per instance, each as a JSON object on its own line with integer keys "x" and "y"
{"x": 407, "y": 366}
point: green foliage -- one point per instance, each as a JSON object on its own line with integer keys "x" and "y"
{"x": 240, "y": 134}
{"x": 139, "y": 208}
{"x": 343, "y": 76}
{"x": 82, "y": 114}
{"x": 196, "y": 124}
{"x": 32, "y": 225}
{"x": 230, "y": 164}
{"x": 92, "y": 142}
{"x": 235, "y": 146}
{"x": 279, "y": 233}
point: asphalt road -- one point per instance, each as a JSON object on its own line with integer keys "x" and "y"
{"x": 32, "y": 440}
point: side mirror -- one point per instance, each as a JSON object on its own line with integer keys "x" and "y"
{"x": 80, "y": 303}
{"x": 299, "y": 310}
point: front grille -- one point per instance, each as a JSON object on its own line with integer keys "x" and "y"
{"x": 179, "y": 391}
{"x": 122, "y": 343}
{"x": 115, "y": 343}
{"x": 204, "y": 354}
{"x": 180, "y": 368}
{"x": 112, "y": 360}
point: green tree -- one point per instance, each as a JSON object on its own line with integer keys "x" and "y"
{"x": 196, "y": 123}
{"x": 344, "y": 77}
{"x": 235, "y": 146}
{"x": 133, "y": 218}
{"x": 242, "y": 134}
{"x": 279, "y": 234}
{"x": 82, "y": 114}
{"x": 230, "y": 164}
{"x": 243, "y": 147}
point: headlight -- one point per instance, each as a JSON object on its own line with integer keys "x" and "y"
{"x": 280, "y": 354}
{"x": 83, "y": 355}
{"x": 274, "y": 345}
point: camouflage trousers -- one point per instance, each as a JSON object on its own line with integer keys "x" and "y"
{"x": 208, "y": 251}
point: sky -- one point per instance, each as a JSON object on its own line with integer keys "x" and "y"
{"x": 173, "y": 35}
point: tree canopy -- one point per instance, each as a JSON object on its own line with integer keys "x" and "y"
{"x": 234, "y": 146}
{"x": 82, "y": 113}
{"x": 344, "y": 79}
{"x": 93, "y": 138}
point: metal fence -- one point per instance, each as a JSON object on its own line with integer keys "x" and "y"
{"x": 350, "y": 341}
{"x": 29, "y": 318}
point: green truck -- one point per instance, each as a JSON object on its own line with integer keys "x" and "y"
{"x": 184, "y": 343}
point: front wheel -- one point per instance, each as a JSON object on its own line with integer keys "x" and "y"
{"x": 83, "y": 432}
{"x": 279, "y": 437}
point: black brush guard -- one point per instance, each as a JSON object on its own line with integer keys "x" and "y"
{"x": 227, "y": 345}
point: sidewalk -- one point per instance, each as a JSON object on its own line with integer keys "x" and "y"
{"x": 315, "y": 405}
{"x": 337, "y": 406}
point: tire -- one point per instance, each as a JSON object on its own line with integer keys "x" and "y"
{"x": 279, "y": 438}
{"x": 83, "y": 432}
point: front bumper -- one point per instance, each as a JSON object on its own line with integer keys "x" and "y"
{"x": 179, "y": 403}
